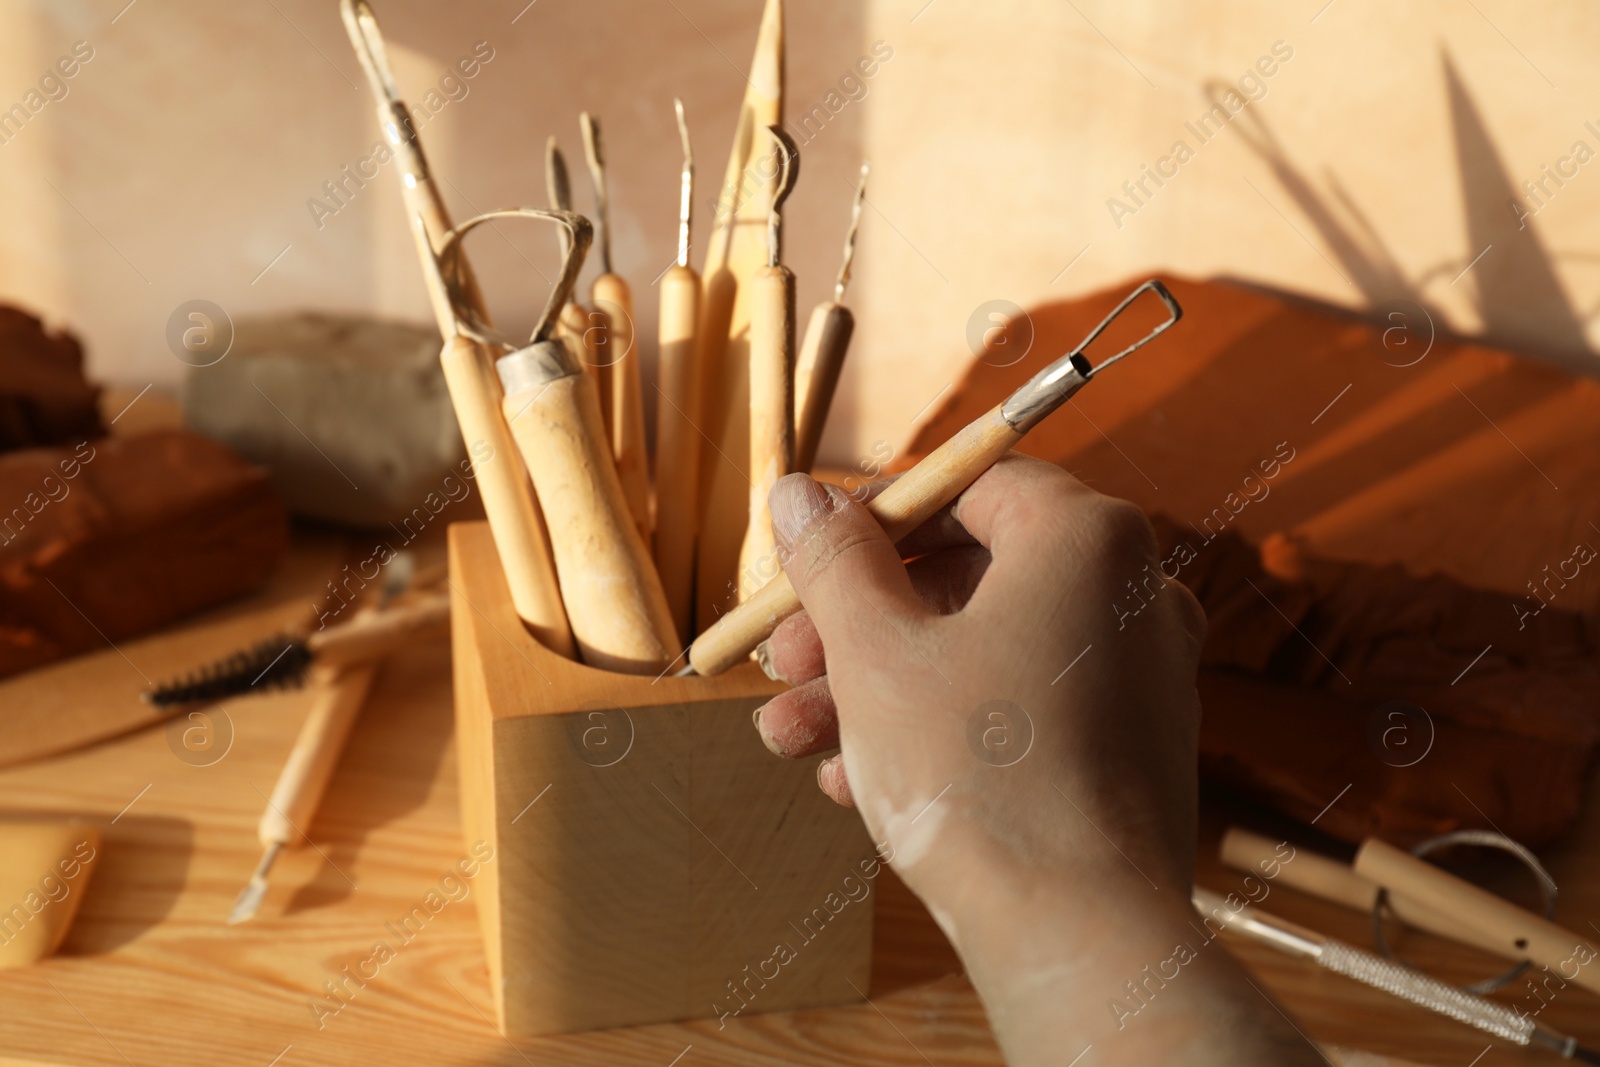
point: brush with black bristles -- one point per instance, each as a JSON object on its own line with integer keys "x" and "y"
{"x": 283, "y": 661}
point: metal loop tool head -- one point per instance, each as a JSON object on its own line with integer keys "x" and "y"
{"x": 577, "y": 233}
{"x": 788, "y": 155}
{"x": 1056, "y": 384}
{"x": 843, "y": 279}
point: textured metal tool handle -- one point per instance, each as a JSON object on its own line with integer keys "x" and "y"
{"x": 1418, "y": 988}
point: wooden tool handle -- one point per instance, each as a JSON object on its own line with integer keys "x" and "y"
{"x": 514, "y": 519}
{"x": 913, "y": 499}
{"x": 1328, "y": 879}
{"x": 678, "y": 441}
{"x": 582, "y": 329}
{"x": 339, "y": 695}
{"x": 771, "y": 410}
{"x": 614, "y": 599}
{"x": 371, "y": 635}
{"x": 1519, "y": 933}
{"x": 816, "y": 376}
{"x": 614, "y": 300}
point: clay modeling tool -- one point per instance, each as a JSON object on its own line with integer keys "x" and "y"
{"x": 614, "y": 301}
{"x": 919, "y": 493}
{"x": 822, "y": 353}
{"x": 1520, "y": 933}
{"x": 513, "y": 514}
{"x": 614, "y": 598}
{"x": 1330, "y": 880}
{"x": 771, "y": 378}
{"x": 284, "y": 661}
{"x": 737, "y": 249}
{"x": 339, "y": 693}
{"x": 420, "y": 195}
{"x": 1395, "y": 979}
{"x": 678, "y": 396}
{"x": 580, "y": 327}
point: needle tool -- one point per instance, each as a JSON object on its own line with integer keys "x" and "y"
{"x": 822, "y": 353}
{"x": 614, "y": 599}
{"x": 678, "y": 393}
{"x": 613, "y": 300}
{"x": 340, "y": 691}
{"x": 917, "y": 495}
{"x": 771, "y": 377}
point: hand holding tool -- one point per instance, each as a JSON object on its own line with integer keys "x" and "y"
{"x": 816, "y": 376}
{"x": 678, "y": 396}
{"x": 771, "y": 378}
{"x": 614, "y": 599}
{"x": 919, "y": 493}
{"x": 614, "y": 301}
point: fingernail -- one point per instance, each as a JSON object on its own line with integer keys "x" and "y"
{"x": 764, "y": 657}
{"x": 796, "y": 503}
{"x": 755, "y": 716}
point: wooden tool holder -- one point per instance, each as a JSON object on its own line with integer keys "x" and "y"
{"x": 652, "y": 860}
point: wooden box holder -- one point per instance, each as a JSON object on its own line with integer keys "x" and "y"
{"x": 652, "y": 860}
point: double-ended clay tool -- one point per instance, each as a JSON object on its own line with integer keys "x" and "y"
{"x": 1506, "y": 1023}
{"x": 514, "y": 519}
{"x": 614, "y": 599}
{"x": 577, "y": 325}
{"x": 816, "y": 374}
{"x": 678, "y": 404}
{"x": 919, "y": 493}
{"x": 771, "y": 377}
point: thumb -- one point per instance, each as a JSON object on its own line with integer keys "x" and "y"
{"x": 845, "y": 569}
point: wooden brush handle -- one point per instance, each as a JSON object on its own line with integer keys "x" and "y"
{"x": 913, "y": 499}
{"x": 614, "y": 599}
{"x": 771, "y": 412}
{"x": 1519, "y": 934}
{"x": 1328, "y": 879}
{"x": 514, "y": 519}
{"x": 678, "y": 441}
{"x": 338, "y": 695}
{"x": 614, "y": 300}
{"x": 372, "y": 635}
{"x": 816, "y": 376}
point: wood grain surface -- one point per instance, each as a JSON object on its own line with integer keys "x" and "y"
{"x": 150, "y": 973}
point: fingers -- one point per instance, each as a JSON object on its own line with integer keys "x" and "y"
{"x": 841, "y": 563}
{"x": 801, "y": 722}
{"x": 831, "y": 779}
{"x": 944, "y": 581}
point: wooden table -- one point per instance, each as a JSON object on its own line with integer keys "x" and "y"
{"x": 150, "y": 974}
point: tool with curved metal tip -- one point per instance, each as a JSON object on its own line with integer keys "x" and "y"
{"x": 620, "y": 351}
{"x": 513, "y": 514}
{"x": 918, "y": 494}
{"x": 771, "y": 378}
{"x": 827, "y": 339}
{"x": 678, "y": 398}
{"x": 614, "y": 599}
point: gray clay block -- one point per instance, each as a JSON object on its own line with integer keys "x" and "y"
{"x": 350, "y": 415}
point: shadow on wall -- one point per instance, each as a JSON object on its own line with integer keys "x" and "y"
{"x": 1519, "y": 297}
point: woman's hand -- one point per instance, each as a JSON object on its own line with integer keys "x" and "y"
{"x": 1020, "y": 744}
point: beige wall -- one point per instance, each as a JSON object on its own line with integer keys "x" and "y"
{"x": 1378, "y": 163}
